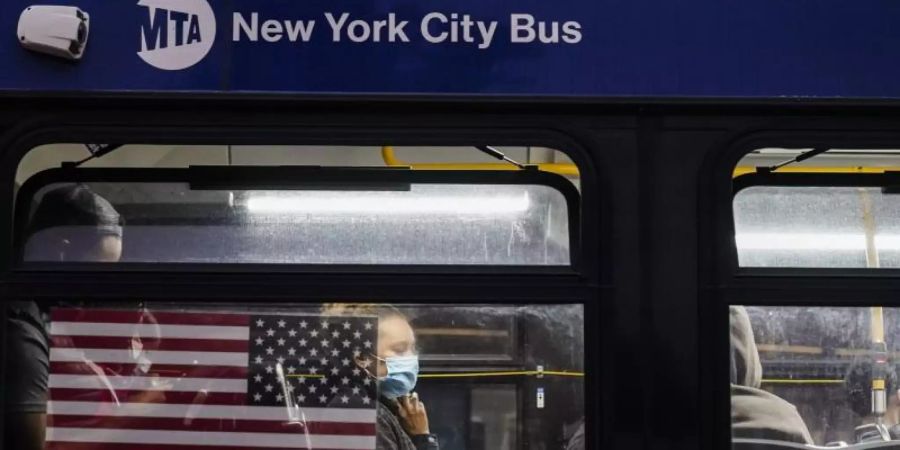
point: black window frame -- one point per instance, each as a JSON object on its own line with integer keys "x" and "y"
{"x": 582, "y": 285}
{"x": 727, "y": 283}
{"x": 585, "y": 262}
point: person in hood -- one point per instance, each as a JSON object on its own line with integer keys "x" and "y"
{"x": 755, "y": 413}
{"x": 402, "y": 420}
{"x": 71, "y": 224}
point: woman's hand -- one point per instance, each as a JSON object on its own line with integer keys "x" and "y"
{"x": 413, "y": 416}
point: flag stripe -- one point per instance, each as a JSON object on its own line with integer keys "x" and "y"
{"x": 164, "y": 370}
{"x": 136, "y": 317}
{"x": 148, "y": 383}
{"x": 209, "y": 398}
{"x": 223, "y": 425}
{"x": 121, "y": 342}
{"x": 235, "y": 439}
{"x": 156, "y": 357}
{"x": 106, "y": 446}
{"x": 149, "y": 331}
{"x": 346, "y": 415}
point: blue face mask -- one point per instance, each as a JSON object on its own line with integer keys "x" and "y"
{"x": 402, "y": 372}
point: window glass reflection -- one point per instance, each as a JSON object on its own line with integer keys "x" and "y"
{"x": 356, "y": 376}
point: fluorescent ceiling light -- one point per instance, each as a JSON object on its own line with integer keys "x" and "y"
{"x": 815, "y": 241}
{"x": 781, "y": 151}
{"x": 388, "y": 203}
{"x": 800, "y": 241}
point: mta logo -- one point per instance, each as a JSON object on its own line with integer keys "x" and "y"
{"x": 156, "y": 29}
{"x": 176, "y": 34}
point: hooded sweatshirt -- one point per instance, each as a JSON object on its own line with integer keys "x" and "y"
{"x": 756, "y": 413}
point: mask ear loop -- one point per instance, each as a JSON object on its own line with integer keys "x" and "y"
{"x": 371, "y": 376}
{"x": 368, "y": 364}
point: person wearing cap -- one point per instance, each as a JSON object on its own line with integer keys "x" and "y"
{"x": 70, "y": 224}
{"x": 73, "y": 224}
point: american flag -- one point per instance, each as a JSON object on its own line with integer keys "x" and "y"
{"x": 167, "y": 380}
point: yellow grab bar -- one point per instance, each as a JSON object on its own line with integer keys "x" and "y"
{"x": 571, "y": 170}
{"x": 743, "y": 170}
{"x": 798, "y": 381}
{"x": 513, "y": 373}
{"x": 390, "y": 158}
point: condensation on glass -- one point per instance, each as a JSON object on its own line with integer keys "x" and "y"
{"x": 808, "y": 375}
{"x": 305, "y": 376}
{"x": 814, "y": 226}
{"x": 432, "y": 224}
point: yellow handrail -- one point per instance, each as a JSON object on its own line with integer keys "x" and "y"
{"x": 390, "y": 159}
{"x": 743, "y": 170}
{"x": 571, "y": 170}
{"x": 800, "y": 381}
{"x": 512, "y": 373}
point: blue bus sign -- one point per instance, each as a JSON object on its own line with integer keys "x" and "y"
{"x": 584, "y": 48}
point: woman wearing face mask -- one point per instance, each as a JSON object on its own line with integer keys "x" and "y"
{"x": 402, "y": 418}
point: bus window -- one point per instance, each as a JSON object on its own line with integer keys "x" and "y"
{"x": 839, "y": 209}
{"x": 244, "y": 373}
{"x": 300, "y": 376}
{"x": 318, "y": 215}
{"x": 815, "y": 375}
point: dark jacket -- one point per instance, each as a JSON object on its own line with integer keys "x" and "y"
{"x": 28, "y": 353}
{"x": 756, "y": 413}
{"x": 392, "y": 436}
